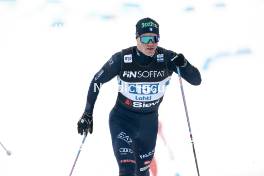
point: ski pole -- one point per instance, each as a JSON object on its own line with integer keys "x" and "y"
{"x": 188, "y": 120}
{"x": 79, "y": 151}
{"x": 7, "y": 151}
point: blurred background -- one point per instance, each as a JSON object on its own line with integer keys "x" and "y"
{"x": 51, "y": 49}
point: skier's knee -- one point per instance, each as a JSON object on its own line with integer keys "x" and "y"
{"x": 127, "y": 168}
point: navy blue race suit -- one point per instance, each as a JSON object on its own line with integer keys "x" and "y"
{"x": 133, "y": 121}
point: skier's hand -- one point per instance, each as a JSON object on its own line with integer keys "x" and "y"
{"x": 85, "y": 124}
{"x": 179, "y": 60}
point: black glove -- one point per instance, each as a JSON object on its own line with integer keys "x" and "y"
{"x": 85, "y": 124}
{"x": 179, "y": 60}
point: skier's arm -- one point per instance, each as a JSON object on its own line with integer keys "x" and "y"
{"x": 105, "y": 74}
{"x": 188, "y": 72}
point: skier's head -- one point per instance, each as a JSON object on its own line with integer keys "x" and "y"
{"x": 147, "y": 35}
{"x": 146, "y": 25}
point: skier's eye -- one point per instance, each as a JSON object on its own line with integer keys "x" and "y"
{"x": 148, "y": 39}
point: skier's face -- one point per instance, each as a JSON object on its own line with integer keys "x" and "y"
{"x": 147, "y": 43}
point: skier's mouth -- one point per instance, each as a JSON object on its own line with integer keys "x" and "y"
{"x": 150, "y": 48}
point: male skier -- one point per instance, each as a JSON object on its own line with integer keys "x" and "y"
{"x": 143, "y": 71}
